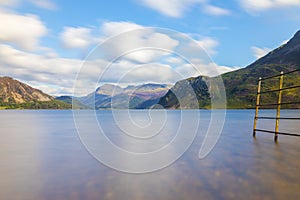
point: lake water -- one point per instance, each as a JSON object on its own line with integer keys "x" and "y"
{"x": 42, "y": 157}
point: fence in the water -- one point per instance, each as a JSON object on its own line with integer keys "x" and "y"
{"x": 279, "y": 90}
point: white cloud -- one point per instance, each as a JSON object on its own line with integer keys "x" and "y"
{"x": 177, "y": 8}
{"x": 134, "y": 37}
{"x": 208, "y": 44}
{"x": 260, "y": 52}
{"x": 134, "y": 42}
{"x": 174, "y": 60}
{"x": 33, "y": 67}
{"x": 152, "y": 72}
{"x": 109, "y": 29}
{"x": 79, "y": 37}
{"x": 141, "y": 46}
{"x": 54, "y": 90}
{"x": 83, "y": 37}
{"x": 201, "y": 47}
{"x": 8, "y": 2}
{"x": 171, "y": 8}
{"x": 46, "y": 4}
{"x": 21, "y": 30}
{"x": 217, "y": 11}
{"x": 261, "y": 5}
{"x": 198, "y": 67}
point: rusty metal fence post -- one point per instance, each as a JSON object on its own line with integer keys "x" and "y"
{"x": 278, "y": 107}
{"x": 257, "y": 106}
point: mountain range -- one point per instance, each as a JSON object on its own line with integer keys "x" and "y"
{"x": 240, "y": 86}
{"x": 113, "y": 96}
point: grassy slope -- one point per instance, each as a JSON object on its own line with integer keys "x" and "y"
{"x": 54, "y": 104}
{"x": 241, "y": 85}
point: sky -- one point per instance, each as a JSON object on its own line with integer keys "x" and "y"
{"x": 51, "y": 44}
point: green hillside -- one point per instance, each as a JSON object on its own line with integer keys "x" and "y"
{"x": 241, "y": 85}
{"x": 53, "y": 104}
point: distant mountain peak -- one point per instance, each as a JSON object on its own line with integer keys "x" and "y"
{"x": 294, "y": 41}
{"x": 13, "y": 91}
{"x": 297, "y": 35}
{"x": 132, "y": 96}
{"x": 109, "y": 89}
{"x": 285, "y": 55}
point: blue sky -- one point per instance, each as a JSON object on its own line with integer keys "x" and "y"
{"x": 44, "y": 43}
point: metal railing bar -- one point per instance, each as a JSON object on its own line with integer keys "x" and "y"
{"x": 287, "y": 103}
{"x": 262, "y": 130}
{"x": 280, "y": 74}
{"x": 280, "y": 133}
{"x": 296, "y": 70}
{"x": 270, "y": 77}
{"x": 284, "y": 118}
{"x": 275, "y": 104}
{"x": 286, "y": 88}
{"x": 269, "y": 91}
{"x": 291, "y": 87}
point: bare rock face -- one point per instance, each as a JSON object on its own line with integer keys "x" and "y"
{"x": 13, "y": 91}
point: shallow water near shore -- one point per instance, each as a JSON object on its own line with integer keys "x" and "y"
{"x": 42, "y": 157}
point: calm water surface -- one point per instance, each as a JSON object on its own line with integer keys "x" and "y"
{"x": 43, "y": 158}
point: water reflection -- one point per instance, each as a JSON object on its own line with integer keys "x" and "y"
{"x": 42, "y": 158}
